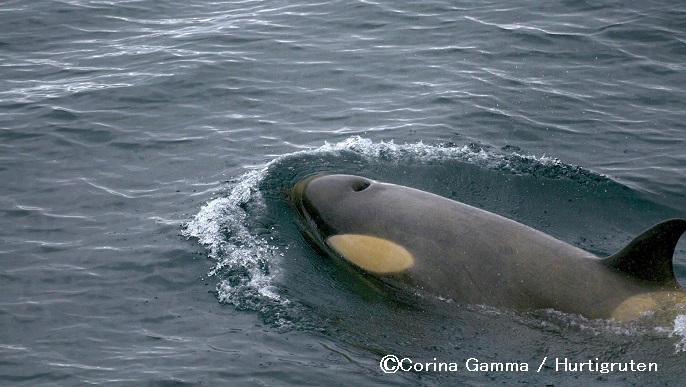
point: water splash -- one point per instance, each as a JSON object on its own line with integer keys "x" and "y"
{"x": 679, "y": 330}
{"x": 508, "y": 159}
{"x": 223, "y": 227}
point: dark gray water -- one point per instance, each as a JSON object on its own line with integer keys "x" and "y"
{"x": 127, "y": 126}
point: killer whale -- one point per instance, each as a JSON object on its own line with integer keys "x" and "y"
{"x": 470, "y": 255}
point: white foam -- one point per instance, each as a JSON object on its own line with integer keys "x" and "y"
{"x": 222, "y": 227}
{"x": 679, "y": 330}
{"x": 511, "y": 161}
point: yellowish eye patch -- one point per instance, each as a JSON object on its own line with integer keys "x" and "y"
{"x": 376, "y": 255}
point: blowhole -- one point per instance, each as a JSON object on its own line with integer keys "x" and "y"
{"x": 360, "y": 185}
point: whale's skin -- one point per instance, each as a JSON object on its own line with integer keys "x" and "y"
{"x": 470, "y": 255}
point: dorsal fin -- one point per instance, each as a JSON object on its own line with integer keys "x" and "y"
{"x": 648, "y": 257}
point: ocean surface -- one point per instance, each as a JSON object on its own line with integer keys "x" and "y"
{"x": 147, "y": 148}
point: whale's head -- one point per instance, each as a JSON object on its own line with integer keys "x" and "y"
{"x": 340, "y": 214}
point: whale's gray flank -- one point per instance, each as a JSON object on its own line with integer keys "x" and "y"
{"x": 464, "y": 253}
